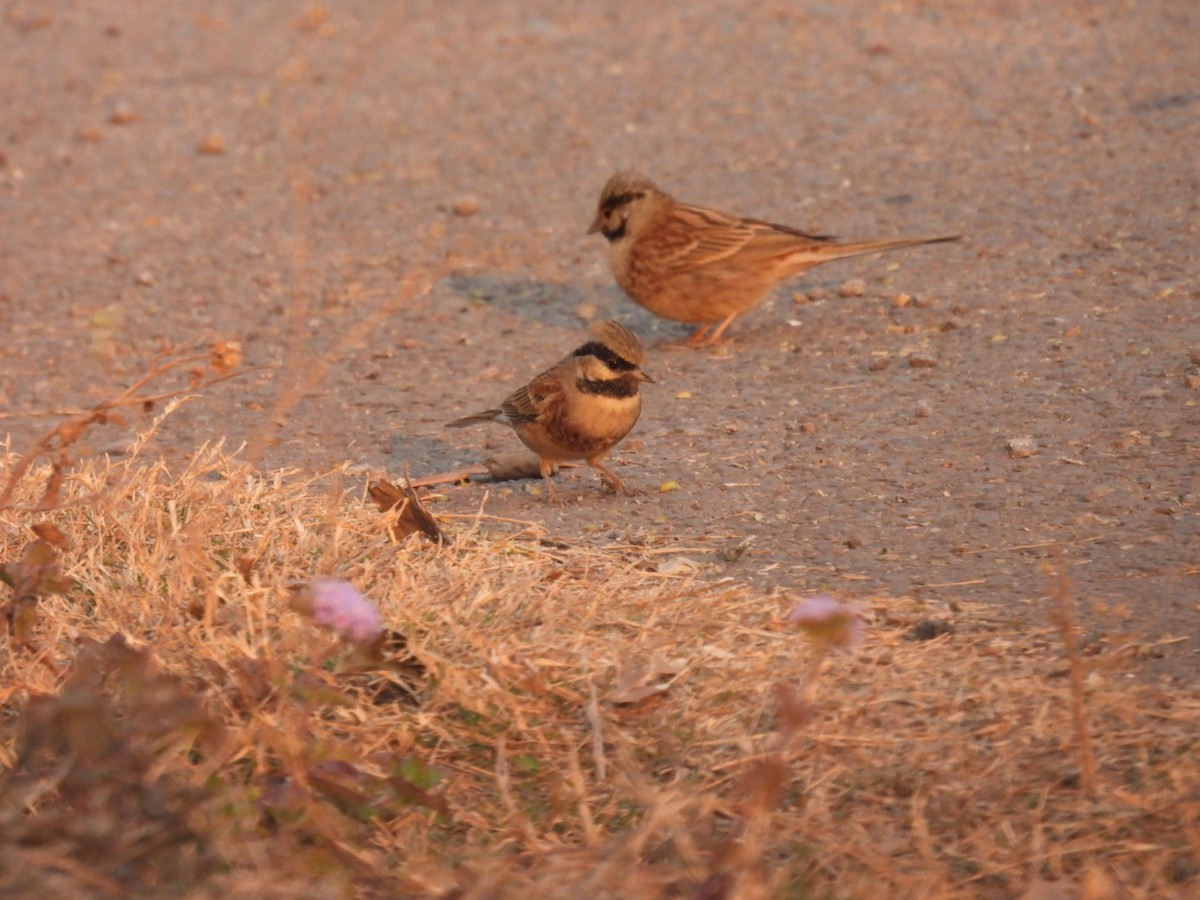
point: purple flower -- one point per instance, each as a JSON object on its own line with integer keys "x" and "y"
{"x": 338, "y": 606}
{"x": 830, "y": 622}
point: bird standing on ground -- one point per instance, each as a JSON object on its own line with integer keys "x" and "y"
{"x": 701, "y": 266}
{"x": 581, "y": 407}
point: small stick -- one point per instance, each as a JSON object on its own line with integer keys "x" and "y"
{"x": 1063, "y": 617}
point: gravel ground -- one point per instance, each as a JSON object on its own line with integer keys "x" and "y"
{"x": 266, "y": 173}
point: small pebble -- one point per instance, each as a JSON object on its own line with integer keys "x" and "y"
{"x": 855, "y": 287}
{"x": 211, "y": 145}
{"x": 921, "y": 362}
{"x": 1192, "y": 380}
{"x": 465, "y": 206}
{"x": 123, "y": 114}
{"x": 1022, "y": 447}
{"x": 902, "y": 300}
{"x": 732, "y": 551}
{"x": 878, "y": 365}
{"x": 924, "y": 409}
{"x": 144, "y": 279}
{"x": 928, "y": 629}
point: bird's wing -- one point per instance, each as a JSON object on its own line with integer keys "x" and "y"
{"x": 766, "y": 229}
{"x": 693, "y": 237}
{"x": 540, "y": 397}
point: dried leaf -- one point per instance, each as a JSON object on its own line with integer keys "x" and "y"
{"x": 765, "y": 782}
{"x": 98, "y": 756}
{"x": 388, "y": 651}
{"x": 364, "y": 795}
{"x": 39, "y": 556}
{"x": 224, "y": 356}
{"x": 37, "y": 574}
{"x": 21, "y": 614}
{"x": 412, "y": 517}
{"x": 344, "y": 784}
{"x": 70, "y": 430}
{"x": 50, "y": 496}
{"x": 385, "y": 494}
{"x": 638, "y": 680}
{"x": 281, "y": 798}
{"x": 387, "y": 671}
{"x": 415, "y": 517}
{"x": 245, "y": 567}
{"x": 52, "y": 535}
{"x": 411, "y": 782}
{"x": 793, "y": 710}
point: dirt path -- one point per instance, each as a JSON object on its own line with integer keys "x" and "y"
{"x": 234, "y": 171}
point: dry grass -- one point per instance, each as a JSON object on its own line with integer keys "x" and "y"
{"x": 229, "y": 747}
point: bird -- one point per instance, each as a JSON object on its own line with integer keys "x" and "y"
{"x": 579, "y": 408}
{"x": 702, "y": 266}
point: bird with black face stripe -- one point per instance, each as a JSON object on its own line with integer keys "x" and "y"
{"x": 701, "y": 266}
{"x": 580, "y": 408}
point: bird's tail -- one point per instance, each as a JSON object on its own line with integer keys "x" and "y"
{"x": 827, "y": 252}
{"x": 488, "y": 415}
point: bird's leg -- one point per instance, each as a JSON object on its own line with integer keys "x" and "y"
{"x": 715, "y": 334}
{"x": 547, "y": 469}
{"x": 610, "y": 477}
{"x": 695, "y": 339}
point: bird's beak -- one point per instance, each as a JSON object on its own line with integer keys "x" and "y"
{"x": 645, "y": 377}
{"x": 596, "y": 225}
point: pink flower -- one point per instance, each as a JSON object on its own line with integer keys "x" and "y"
{"x": 338, "y": 606}
{"x": 830, "y": 622}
